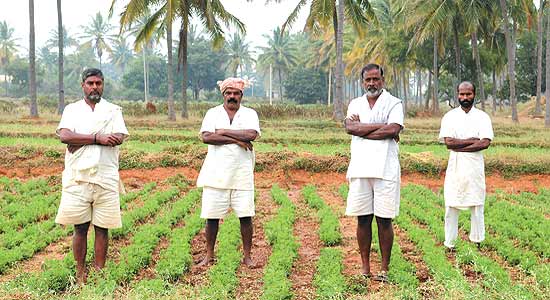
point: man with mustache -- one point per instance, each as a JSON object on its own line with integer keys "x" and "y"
{"x": 374, "y": 120}
{"x": 93, "y": 129}
{"x": 466, "y": 131}
{"x": 227, "y": 174}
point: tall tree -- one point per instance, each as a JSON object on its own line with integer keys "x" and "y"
{"x": 510, "y": 52}
{"x": 98, "y": 36}
{"x": 540, "y": 18}
{"x": 60, "y": 60}
{"x": 211, "y": 13}
{"x": 326, "y": 15}
{"x": 239, "y": 54}
{"x": 32, "y": 62}
{"x": 280, "y": 53}
{"x": 547, "y": 93}
{"x": 121, "y": 53}
{"x": 8, "y": 47}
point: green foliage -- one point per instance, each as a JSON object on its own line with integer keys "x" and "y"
{"x": 279, "y": 232}
{"x": 328, "y": 281}
{"x": 329, "y": 225}
{"x": 132, "y": 80}
{"x": 306, "y": 86}
{"x": 205, "y": 66}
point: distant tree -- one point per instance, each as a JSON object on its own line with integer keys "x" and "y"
{"x": 133, "y": 77}
{"x": 306, "y": 85}
{"x": 239, "y": 54}
{"x": 98, "y": 35}
{"x": 121, "y": 53}
{"x": 8, "y": 47}
{"x": 32, "y": 63}
{"x": 205, "y": 66}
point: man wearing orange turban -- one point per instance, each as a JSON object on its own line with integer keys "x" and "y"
{"x": 227, "y": 174}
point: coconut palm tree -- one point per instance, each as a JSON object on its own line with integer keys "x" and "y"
{"x": 540, "y": 17}
{"x": 68, "y": 39}
{"x": 8, "y": 47}
{"x": 61, "y": 45}
{"x": 32, "y": 62}
{"x": 121, "y": 53}
{"x": 328, "y": 15}
{"x": 98, "y": 36}
{"x": 210, "y": 12}
{"x": 280, "y": 53}
{"x": 239, "y": 54}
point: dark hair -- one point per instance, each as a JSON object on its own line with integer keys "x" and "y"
{"x": 91, "y": 72}
{"x": 369, "y": 67}
{"x": 467, "y": 82}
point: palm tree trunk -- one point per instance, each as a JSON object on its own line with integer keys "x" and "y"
{"x": 405, "y": 87}
{"x": 280, "y": 83}
{"x": 171, "y": 112}
{"x": 428, "y": 92}
{"x": 329, "y": 85}
{"x": 144, "y": 72}
{"x": 60, "y": 60}
{"x": 540, "y": 18}
{"x": 510, "y": 51}
{"x": 478, "y": 69}
{"x": 338, "y": 20}
{"x": 435, "y": 105}
{"x": 32, "y": 62}
{"x": 494, "y": 92}
{"x": 457, "y": 59}
{"x": 182, "y": 57}
{"x": 547, "y": 93}
{"x": 419, "y": 89}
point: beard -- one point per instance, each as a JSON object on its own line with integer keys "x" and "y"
{"x": 94, "y": 96}
{"x": 373, "y": 92}
{"x": 465, "y": 103}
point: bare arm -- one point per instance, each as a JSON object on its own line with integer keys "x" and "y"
{"x": 454, "y": 143}
{"x": 243, "y": 135}
{"x": 476, "y": 146}
{"x": 389, "y": 131}
{"x": 75, "y": 141}
{"x": 355, "y": 127}
{"x": 212, "y": 138}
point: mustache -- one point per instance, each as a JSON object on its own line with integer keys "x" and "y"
{"x": 232, "y": 100}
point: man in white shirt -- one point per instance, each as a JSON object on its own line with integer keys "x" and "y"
{"x": 93, "y": 129}
{"x": 227, "y": 174}
{"x": 374, "y": 120}
{"x": 466, "y": 131}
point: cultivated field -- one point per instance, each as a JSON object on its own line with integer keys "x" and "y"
{"x": 305, "y": 247}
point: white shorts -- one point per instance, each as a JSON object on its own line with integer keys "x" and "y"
{"x": 85, "y": 202}
{"x": 369, "y": 196}
{"x": 216, "y": 203}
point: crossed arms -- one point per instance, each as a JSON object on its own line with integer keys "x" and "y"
{"x": 75, "y": 141}
{"x": 375, "y": 131}
{"x": 467, "y": 145}
{"x": 242, "y": 137}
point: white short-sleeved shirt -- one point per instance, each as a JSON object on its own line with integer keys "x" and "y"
{"x": 375, "y": 158}
{"x": 465, "y": 174}
{"x": 93, "y": 163}
{"x": 228, "y": 166}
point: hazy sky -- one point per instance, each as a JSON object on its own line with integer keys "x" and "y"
{"x": 258, "y": 18}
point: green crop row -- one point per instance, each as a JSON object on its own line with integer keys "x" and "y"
{"x": 329, "y": 281}
{"x": 15, "y": 192}
{"x": 279, "y": 232}
{"x": 329, "y": 225}
{"x": 38, "y": 208}
{"x": 539, "y": 202}
{"x": 176, "y": 259}
{"x": 131, "y": 196}
{"x": 495, "y": 277}
{"x": 222, "y": 279}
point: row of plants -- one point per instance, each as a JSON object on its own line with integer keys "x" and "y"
{"x": 15, "y": 192}
{"x": 39, "y": 207}
{"x": 329, "y": 224}
{"x": 495, "y": 277}
{"x": 279, "y": 233}
{"x": 222, "y": 280}
{"x": 539, "y": 202}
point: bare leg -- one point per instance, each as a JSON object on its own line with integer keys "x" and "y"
{"x": 100, "y": 247}
{"x": 385, "y": 236}
{"x": 80, "y": 242}
{"x": 364, "y": 238}
{"x": 246, "y": 234}
{"x": 211, "y": 233}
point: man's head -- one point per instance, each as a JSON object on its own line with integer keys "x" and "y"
{"x": 92, "y": 84}
{"x": 372, "y": 76}
{"x": 232, "y": 92}
{"x": 466, "y": 91}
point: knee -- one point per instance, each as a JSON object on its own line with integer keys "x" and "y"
{"x": 246, "y": 220}
{"x": 212, "y": 222}
{"x": 364, "y": 220}
{"x": 81, "y": 229}
{"x": 384, "y": 222}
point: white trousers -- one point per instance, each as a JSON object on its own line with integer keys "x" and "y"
{"x": 477, "y": 224}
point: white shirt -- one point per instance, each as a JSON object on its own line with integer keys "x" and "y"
{"x": 228, "y": 166}
{"x": 92, "y": 163}
{"x": 465, "y": 175}
{"x": 375, "y": 158}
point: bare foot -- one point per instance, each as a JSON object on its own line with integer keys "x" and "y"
{"x": 81, "y": 276}
{"x": 365, "y": 270}
{"x": 205, "y": 262}
{"x": 247, "y": 261}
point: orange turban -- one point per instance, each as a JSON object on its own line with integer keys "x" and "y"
{"x": 231, "y": 82}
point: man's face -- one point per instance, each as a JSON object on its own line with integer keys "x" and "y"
{"x": 93, "y": 88}
{"x": 373, "y": 83}
{"x": 466, "y": 95}
{"x": 232, "y": 97}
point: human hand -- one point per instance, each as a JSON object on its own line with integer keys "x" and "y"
{"x": 354, "y": 118}
{"x": 220, "y": 131}
{"x": 245, "y": 145}
{"x": 108, "y": 140}
{"x": 396, "y": 138}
